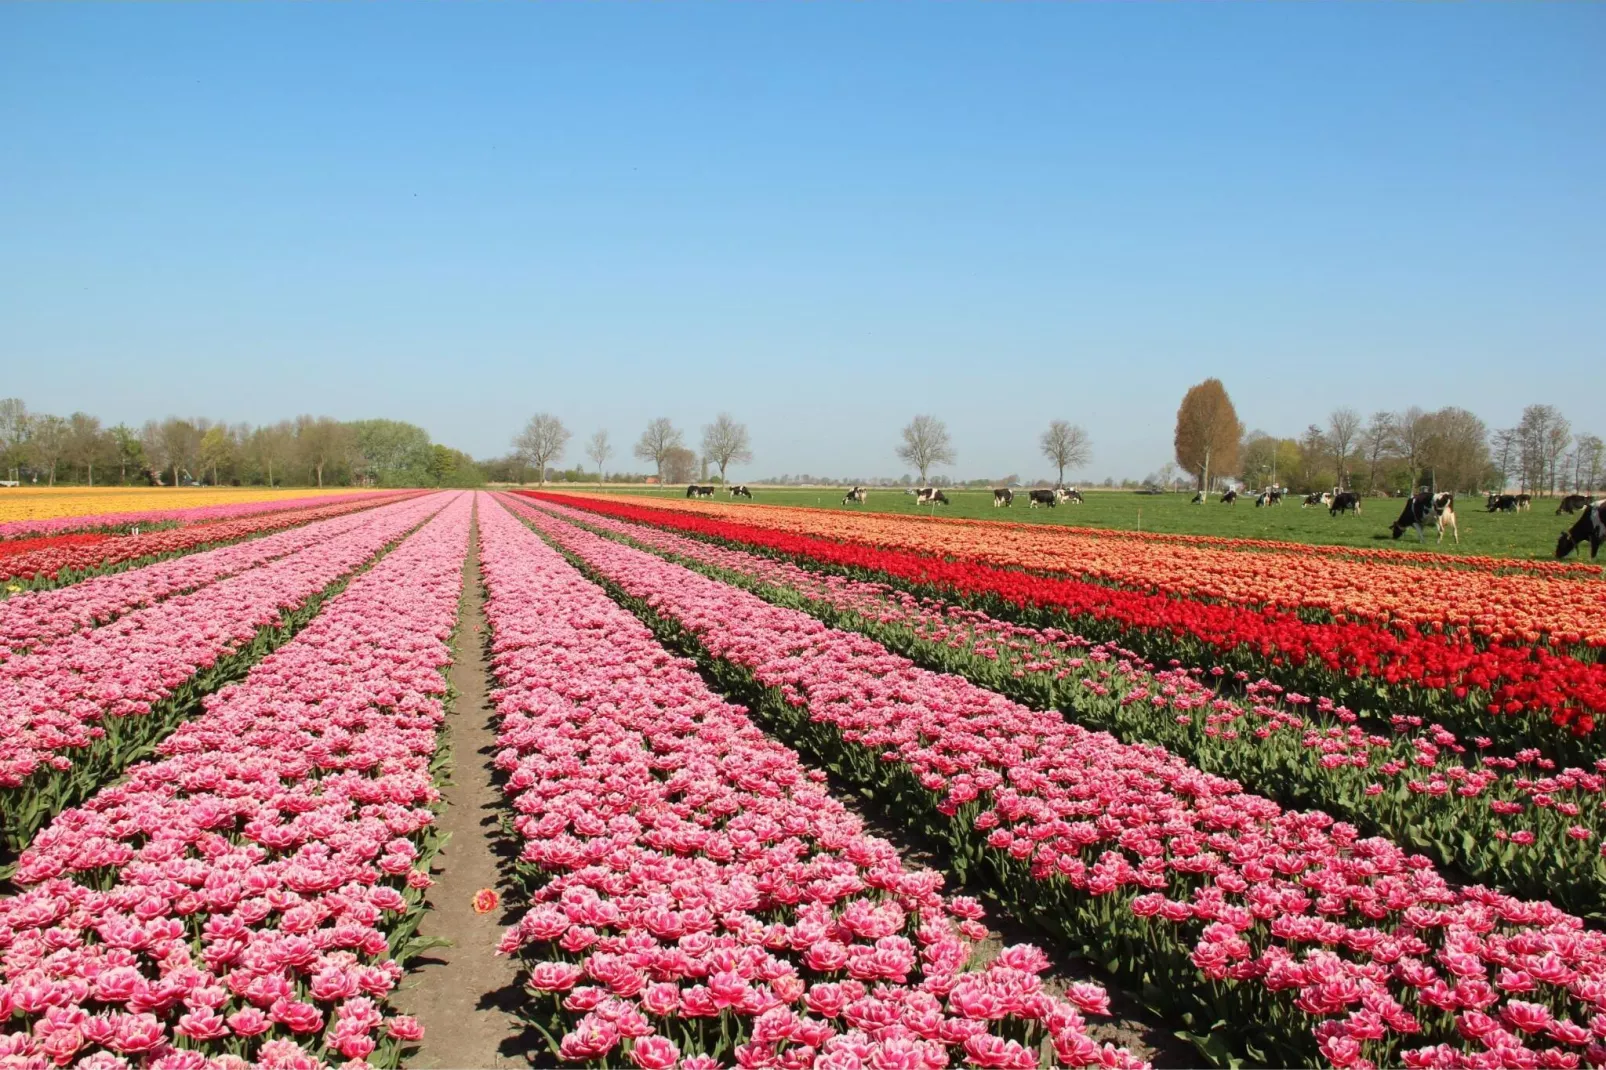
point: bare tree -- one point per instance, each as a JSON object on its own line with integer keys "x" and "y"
{"x": 656, "y": 442}
{"x": 680, "y": 465}
{"x": 925, "y": 445}
{"x": 272, "y": 445}
{"x": 725, "y": 443}
{"x": 1411, "y": 432}
{"x": 1455, "y": 446}
{"x": 1591, "y": 455}
{"x": 599, "y": 451}
{"x": 1066, "y": 446}
{"x": 1343, "y": 425}
{"x": 1378, "y": 440}
{"x": 1503, "y": 453}
{"x": 322, "y": 442}
{"x": 543, "y": 440}
{"x": 13, "y": 436}
{"x": 1208, "y": 431}
{"x": 1542, "y": 435}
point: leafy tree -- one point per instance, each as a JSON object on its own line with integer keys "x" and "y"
{"x": 128, "y": 451}
{"x": 725, "y": 443}
{"x": 271, "y": 446}
{"x": 217, "y": 450}
{"x": 542, "y": 441}
{"x": 1455, "y": 445}
{"x": 1066, "y": 446}
{"x": 926, "y": 445}
{"x": 390, "y": 453}
{"x": 47, "y": 441}
{"x": 679, "y": 465}
{"x": 598, "y": 449}
{"x": 86, "y": 443}
{"x": 1208, "y": 431}
{"x": 1410, "y": 435}
{"x": 321, "y": 442}
{"x": 13, "y": 436}
{"x": 656, "y": 442}
{"x": 1379, "y": 440}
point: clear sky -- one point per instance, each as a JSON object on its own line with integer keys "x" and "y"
{"x": 823, "y": 218}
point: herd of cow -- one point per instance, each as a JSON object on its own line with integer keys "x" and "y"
{"x": 1437, "y": 509}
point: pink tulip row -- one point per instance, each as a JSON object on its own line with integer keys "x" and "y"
{"x": 31, "y": 620}
{"x": 86, "y": 696}
{"x": 243, "y": 900}
{"x": 1520, "y": 821}
{"x": 200, "y": 514}
{"x": 1293, "y": 921}
{"x": 701, "y": 897}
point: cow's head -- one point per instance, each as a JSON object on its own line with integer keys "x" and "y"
{"x": 1565, "y": 545}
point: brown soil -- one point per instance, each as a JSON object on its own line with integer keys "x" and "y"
{"x": 464, "y": 994}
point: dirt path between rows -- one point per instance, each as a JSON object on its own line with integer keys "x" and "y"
{"x": 464, "y": 994}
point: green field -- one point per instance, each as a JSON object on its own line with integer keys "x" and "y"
{"x": 1529, "y": 534}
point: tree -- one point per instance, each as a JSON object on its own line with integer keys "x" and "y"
{"x": 1591, "y": 455}
{"x": 272, "y": 446}
{"x": 1455, "y": 445}
{"x": 320, "y": 443}
{"x": 656, "y": 442}
{"x": 86, "y": 443}
{"x": 1313, "y": 453}
{"x": 126, "y": 446}
{"x": 13, "y": 436}
{"x": 390, "y": 452}
{"x": 1208, "y": 431}
{"x": 598, "y": 449}
{"x": 216, "y": 450}
{"x": 1378, "y": 441}
{"x": 1410, "y": 433}
{"x": 47, "y": 441}
{"x": 679, "y": 465}
{"x": 925, "y": 445}
{"x": 1066, "y": 446}
{"x": 1542, "y": 435}
{"x": 1504, "y": 453}
{"x": 1343, "y": 424}
{"x": 725, "y": 443}
{"x": 543, "y": 440}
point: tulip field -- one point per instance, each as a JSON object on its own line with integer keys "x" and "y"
{"x": 1287, "y": 805}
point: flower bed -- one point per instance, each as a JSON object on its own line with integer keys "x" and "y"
{"x": 250, "y": 898}
{"x": 78, "y": 711}
{"x": 67, "y": 559}
{"x": 1361, "y": 665}
{"x": 69, "y": 510}
{"x": 1520, "y": 823}
{"x": 31, "y": 620}
{"x": 1285, "y": 931}
{"x": 696, "y": 896}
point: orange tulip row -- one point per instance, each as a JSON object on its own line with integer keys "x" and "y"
{"x": 1513, "y": 609}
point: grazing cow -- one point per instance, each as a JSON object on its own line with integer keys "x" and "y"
{"x": 1590, "y": 526}
{"x": 740, "y": 491}
{"x": 1324, "y": 498}
{"x": 857, "y": 494}
{"x": 1198, "y": 499}
{"x": 694, "y": 491}
{"x": 1419, "y": 509}
{"x": 1230, "y": 498}
{"x": 1035, "y": 498}
{"x": 1343, "y": 502}
{"x": 1274, "y": 496}
{"x": 938, "y": 498}
{"x": 1502, "y": 503}
{"x": 1003, "y": 496}
{"x": 1525, "y": 501}
{"x": 924, "y": 495}
{"x": 1069, "y": 495}
{"x": 1572, "y": 503}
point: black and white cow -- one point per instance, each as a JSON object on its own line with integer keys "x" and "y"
{"x": 1050, "y": 498}
{"x": 930, "y": 496}
{"x": 1343, "y": 502}
{"x": 1324, "y": 498}
{"x": 1003, "y": 496}
{"x": 1525, "y": 501}
{"x": 1502, "y": 503}
{"x": 1230, "y": 498}
{"x": 857, "y": 494}
{"x": 1439, "y": 509}
{"x": 1198, "y": 499}
{"x": 740, "y": 491}
{"x": 1069, "y": 495}
{"x": 1269, "y": 496}
{"x": 694, "y": 491}
{"x": 1591, "y": 527}
{"x": 1572, "y": 503}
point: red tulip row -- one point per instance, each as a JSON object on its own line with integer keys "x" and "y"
{"x": 1507, "y": 692}
{"x": 1283, "y": 930}
{"x": 1522, "y": 823}
{"x": 697, "y": 897}
{"x": 66, "y": 558}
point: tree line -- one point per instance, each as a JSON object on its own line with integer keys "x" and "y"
{"x": 1394, "y": 452}
{"x": 313, "y": 451}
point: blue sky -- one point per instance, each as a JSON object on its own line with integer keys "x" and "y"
{"x": 823, "y": 218}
